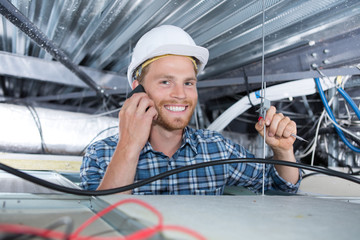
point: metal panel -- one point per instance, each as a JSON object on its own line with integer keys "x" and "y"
{"x": 253, "y": 217}
{"x": 49, "y": 71}
{"x": 14, "y": 184}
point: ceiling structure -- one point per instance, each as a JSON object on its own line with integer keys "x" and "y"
{"x": 73, "y": 54}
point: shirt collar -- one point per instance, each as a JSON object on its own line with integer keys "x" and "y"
{"x": 147, "y": 148}
{"x": 186, "y": 140}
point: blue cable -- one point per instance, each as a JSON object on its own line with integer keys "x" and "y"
{"x": 350, "y": 101}
{"x": 328, "y": 110}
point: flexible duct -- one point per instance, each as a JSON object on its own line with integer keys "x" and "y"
{"x": 62, "y": 132}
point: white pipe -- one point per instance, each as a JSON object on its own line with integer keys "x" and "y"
{"x": 285, "y": 90}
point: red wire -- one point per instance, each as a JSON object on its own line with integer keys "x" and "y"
{"x": 184, "y": 230}
{"x": 111, "y": 207}
{"x": 141, "y": 234}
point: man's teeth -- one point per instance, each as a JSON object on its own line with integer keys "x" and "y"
{"x": 175, "y": 108}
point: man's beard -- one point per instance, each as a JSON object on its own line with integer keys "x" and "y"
{"x": 172, "y": 124}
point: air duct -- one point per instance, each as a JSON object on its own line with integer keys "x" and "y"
{"x": 38, "y": 130}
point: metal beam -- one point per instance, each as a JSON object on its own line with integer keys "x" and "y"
{"x": 281, "y": 77}
{"x": 72, "y": 95}
{"x": 49, "y": 71}
{"x": 15, "y": 16}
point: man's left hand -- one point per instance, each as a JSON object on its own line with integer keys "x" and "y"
{"x": 278, "y": 130}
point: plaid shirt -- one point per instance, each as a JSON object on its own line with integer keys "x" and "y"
{"x": 198, "y": 146}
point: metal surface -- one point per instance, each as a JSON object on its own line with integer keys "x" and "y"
{"x": 44, "y": 209}
{"x": 11, "y": 13}
{"x": 323, "y": 185}
{"x": 14, "y": 184}
{"x": 20, "y": 66}
{"x": 214, "y": 217}
{"x": 252, "y": 217}
{"x": 101, "y": 34}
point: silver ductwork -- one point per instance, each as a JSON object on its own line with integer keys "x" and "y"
{"x": 38, "y": 130}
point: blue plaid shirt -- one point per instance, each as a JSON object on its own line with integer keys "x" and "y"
{"x": 198, "y": 146}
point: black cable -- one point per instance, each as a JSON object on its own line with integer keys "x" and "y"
{"x": 82, "y": 151}
{"x": 309, "y": 175}
{"x": 36, "y": 118}
{"x": 19, "y": 236}
{"x": 246, "y": 79}
{"x": 341, "y": 164}
{"x": 16, "y": 17}
{"x": 62, "y": 221}
{"x": 171, "y": 172}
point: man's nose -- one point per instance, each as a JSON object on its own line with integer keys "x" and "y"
{"x": 178, "y": 91}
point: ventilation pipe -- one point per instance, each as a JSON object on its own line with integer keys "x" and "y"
{"x": 38, "y": 130}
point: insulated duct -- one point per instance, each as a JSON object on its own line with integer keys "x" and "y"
{"x": 38, "y": 130}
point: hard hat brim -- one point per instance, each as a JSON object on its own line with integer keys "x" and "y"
{"x": 198, "y": 52}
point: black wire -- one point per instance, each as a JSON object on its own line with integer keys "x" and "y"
{"x": 19, "y": 236}
{"x": 171, "y": 172}
{"x": 247, "y": 87}
{"x": 341, "y": 164}
{"x": 66, "y": 220}
{"x": 309, "y": 175}
{"x": 36, "y": 118}
{"x": 106, "y": 129}
{"x": 69, "y": 226}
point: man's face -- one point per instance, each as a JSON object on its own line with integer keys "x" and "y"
{"x": 171, "y": 83}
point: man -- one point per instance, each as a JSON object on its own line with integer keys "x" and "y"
{"x": 154, "y": 136}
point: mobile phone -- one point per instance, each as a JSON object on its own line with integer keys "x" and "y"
{"x": 138, "y": 89}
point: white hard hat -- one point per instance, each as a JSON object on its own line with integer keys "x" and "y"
{"x": 166, "y": 39}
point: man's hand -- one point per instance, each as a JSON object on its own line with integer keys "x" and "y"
{"x": 278, "y": 130}
{"x": 135, "y": 120}
{"x": 278, "y": 136}
{"x": 135, "y": 123}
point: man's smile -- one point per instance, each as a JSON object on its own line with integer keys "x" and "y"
{"x": 176, "y": 108}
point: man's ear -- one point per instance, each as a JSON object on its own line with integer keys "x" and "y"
{"x": 134, "y": 84}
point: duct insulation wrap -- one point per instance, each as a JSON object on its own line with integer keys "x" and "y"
{"x": 62, "y": 132}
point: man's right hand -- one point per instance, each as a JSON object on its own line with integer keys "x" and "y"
{"x": 135, "y": 120}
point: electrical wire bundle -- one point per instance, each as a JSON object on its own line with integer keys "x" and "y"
{"x": 331, "y": 114}
{"x": 330, "y": 119}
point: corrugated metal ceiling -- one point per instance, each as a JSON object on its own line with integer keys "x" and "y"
{"x": 100, "y": 34}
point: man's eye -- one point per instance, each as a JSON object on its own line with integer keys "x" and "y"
{"x": 189, "y": 83}
{"x": 165, "y": 82}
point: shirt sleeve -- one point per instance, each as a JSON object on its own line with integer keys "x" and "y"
{"x": 281, "y": 184}
{"x": 250, "y": 175}
{"x": 90, "y": 171}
